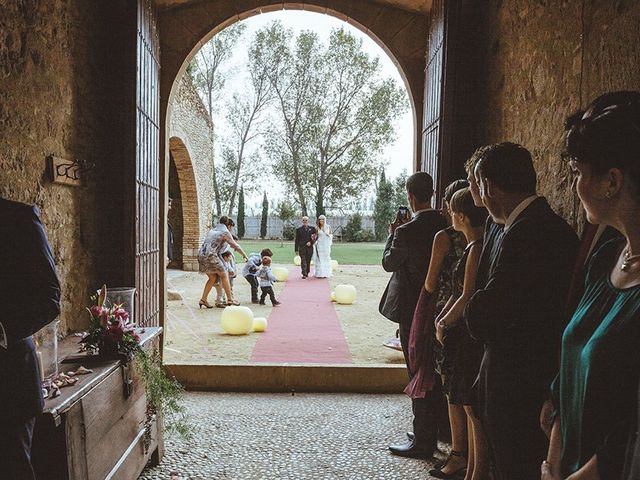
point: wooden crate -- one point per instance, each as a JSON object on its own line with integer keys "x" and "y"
{"x": 95, "y": 430}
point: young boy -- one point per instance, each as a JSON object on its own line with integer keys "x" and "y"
{"x": 250, "y": 270}
{"x": 227, "y": 257}
{"x": 266, "y": 281}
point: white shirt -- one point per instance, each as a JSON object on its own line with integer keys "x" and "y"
{"x": 518, "y": 210}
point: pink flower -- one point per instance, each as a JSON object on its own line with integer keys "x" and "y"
{"x": 120, "y": 313}
{"x": 95, "y": 311}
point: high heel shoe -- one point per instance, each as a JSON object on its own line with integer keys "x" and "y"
{"x": 204, "y": 303}
{"x": 438, "y": 473}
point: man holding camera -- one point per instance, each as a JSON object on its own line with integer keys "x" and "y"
{"x": 407, "y": 254}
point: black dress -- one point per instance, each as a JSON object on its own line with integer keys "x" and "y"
{"x": 461, "y": 353}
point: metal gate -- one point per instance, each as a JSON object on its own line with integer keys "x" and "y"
{"x": 431, "y": 128}
{"x": 147, "y": 241}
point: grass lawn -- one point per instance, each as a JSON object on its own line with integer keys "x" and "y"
{"x": 344, "y": 253}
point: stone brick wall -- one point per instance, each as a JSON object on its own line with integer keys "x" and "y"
{"x": 191, "y": 138}
{"x": 62, "y": 78}
{"x": 538, "y": 69}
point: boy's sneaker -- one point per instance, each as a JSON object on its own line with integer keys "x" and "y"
{"x": 276, "y": 303}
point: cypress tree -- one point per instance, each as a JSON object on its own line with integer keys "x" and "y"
{"x": 241, "y": 213}
{"x": 265, "y": 216}
{"x": 384, "y": 207}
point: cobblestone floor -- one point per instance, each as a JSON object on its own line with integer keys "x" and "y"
{"x": 243, "y": 436}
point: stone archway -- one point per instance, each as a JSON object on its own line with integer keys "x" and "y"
{"x": 187, "y": 205}
{"x": 186, "y": 25}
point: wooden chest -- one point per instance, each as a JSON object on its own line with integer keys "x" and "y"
{"x": 97, "y": 429}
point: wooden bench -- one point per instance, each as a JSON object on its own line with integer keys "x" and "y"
{"x": 95, "y": 429}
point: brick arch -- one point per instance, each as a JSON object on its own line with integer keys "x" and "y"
{"x": 188, "y": 203}
{"x": 402, "y": 34}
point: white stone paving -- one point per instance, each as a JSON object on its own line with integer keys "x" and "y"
{"x": 247, "y": 436}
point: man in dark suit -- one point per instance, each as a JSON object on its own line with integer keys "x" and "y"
{"x": 306, "y": 236}
{"x": 519, "y": 312}
{"x": 29, "y": 299}
{"x": 407, "y": 254}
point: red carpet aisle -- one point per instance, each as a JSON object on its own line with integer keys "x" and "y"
{"x": 305, "y": 328}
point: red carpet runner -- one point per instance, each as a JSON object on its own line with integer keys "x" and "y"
{"x": 305, "y": 328}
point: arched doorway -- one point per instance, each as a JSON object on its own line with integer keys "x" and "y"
{"x": 403, "y": 40}
{"x": 184, "y": 216}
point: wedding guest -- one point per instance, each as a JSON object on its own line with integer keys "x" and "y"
{"x": 519, "y": 312}
{"x": 303, "y": 244}
{"x": 424, "y": 352}
{"x": 322, "y": 254}
{"x": 211, "y": 263}
{"x": 406, "y": 254}
{"x": 267, "y": 278}
{"x": 461, "y": 353}
{"x": 595, "y": 390}
{"x": 29, "y": 300}
{"x": 250, "y": 270}
{"x": 169, "y": 236}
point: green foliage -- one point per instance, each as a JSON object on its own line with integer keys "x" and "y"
{"x": 400, "y": 188}
{"x": 265, "y": 216}
{"x": 384, "y": 209}
{"x": 288, "y": 232}
{"x": 241, "y": 213}
{"x": 164, "y": 394}
{"x": 286, "y": 212}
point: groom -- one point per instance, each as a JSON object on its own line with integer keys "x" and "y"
{"x": 305, "y": 238}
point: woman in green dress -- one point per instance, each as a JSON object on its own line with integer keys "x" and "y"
{"x": 596, "y": 387}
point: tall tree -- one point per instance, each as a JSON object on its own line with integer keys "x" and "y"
{"x": 265, "y": 216}
{"x": 384, "y": 207}
{"x": 293, "y": 72}
{"x": 241, "y": 213}
{"x": 206, "y": 73}
{"x": 336, "y": 114}
{"x": 206, "y": 67}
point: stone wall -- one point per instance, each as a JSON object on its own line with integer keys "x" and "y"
{"x": 538, "y": 69}
{"x": 191, "y": 138}
{"x": 60, "y": 95}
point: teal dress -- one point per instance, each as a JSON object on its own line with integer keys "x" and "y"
{"x": 596, "y": 386}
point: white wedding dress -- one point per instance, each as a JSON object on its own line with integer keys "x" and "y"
{"x": 322, "y": 252}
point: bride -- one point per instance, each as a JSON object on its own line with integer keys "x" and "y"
{"x": 322, "y": 251}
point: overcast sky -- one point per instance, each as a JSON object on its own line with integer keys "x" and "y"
{"x": 398, "y": 155}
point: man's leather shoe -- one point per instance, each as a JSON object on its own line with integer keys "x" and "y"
{"x": 411, "y": 436}
{"x": 411, "y": 450}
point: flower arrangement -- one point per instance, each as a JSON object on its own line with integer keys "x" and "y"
{"x": 111, "y": 332}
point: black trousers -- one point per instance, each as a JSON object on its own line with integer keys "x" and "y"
{"x": 15, "y": 449}
{"x": 253, "y": 281}
{"x": 305, "y": 259}
{"x": 267, "y": 291}
{"x": 430, "y": 416}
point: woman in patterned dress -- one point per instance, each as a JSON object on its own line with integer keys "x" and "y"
{"x": 212, "y": 264}
{"x": 461, "y": 353}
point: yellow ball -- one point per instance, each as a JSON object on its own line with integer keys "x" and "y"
{"x": 334, "y": 264}
{"x": 345, "y": 294}
{"x": 281, "y": 273}
{"x": 297, "y": 261}
{"x": 237, "y": 320}
{"x": 333, "y": 296}
{"x": 259, "y": 324}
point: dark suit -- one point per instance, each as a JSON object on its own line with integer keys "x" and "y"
{"x": 407, "y": 254}
{"x": 519, "y": 315}
{"x": 303, "y": 236}
{"x": 29, "y": 299}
